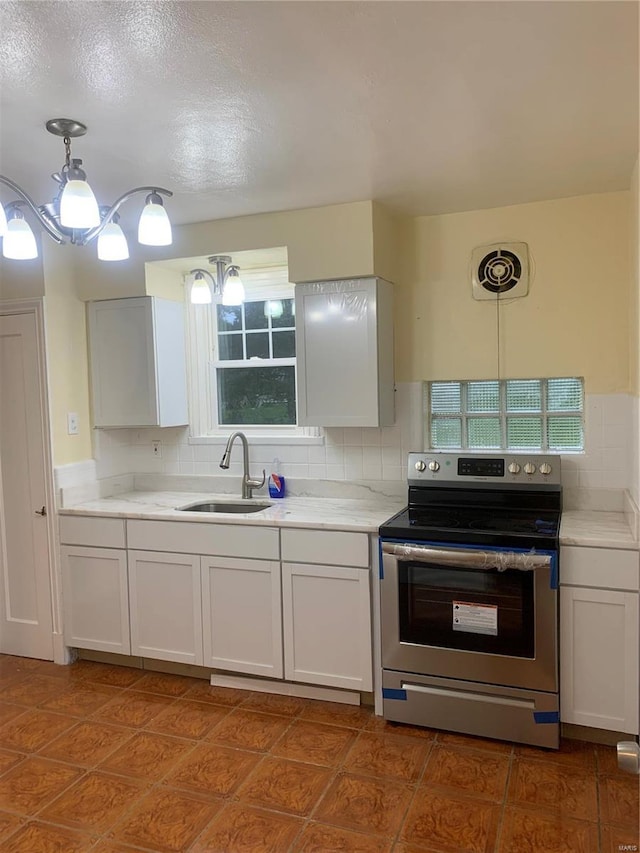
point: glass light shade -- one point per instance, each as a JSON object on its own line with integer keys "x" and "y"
{"x": 200, "y": 292}
{"x": 233, "y": 290}
{"x": 3, "y": 221}
{"x": 19, "y": 243}
{"x": 78, "y": 206}
{"x": 154, "y": 227}
{"x": 112, "y": 244}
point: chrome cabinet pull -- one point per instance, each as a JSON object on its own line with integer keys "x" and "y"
{"x": 42, "y": 511}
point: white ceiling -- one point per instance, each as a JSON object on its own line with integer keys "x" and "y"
{"x": 247, "y": 107}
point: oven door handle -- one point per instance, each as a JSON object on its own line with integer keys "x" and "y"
{"x": 463, "y": 558}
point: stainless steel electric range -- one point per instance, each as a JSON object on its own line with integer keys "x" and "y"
{"x": 469, "y": 597}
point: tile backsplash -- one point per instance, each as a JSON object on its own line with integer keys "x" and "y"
{"x": 608, "y": 463}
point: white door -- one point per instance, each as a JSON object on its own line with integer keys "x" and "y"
{"x": 25, "y": 589}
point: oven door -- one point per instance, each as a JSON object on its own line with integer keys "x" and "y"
{"x": 478, "y": 615}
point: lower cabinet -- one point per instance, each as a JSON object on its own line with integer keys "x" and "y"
{"x": 599, "y": 638}
{"x": 96, "y": 599}
{"x": 241, "y": 614}
{"x": 166, "y": 616}
{"x": 327, "y": 625}
{"x": 302, "y": 621}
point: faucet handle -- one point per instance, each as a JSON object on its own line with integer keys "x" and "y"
{"x": 257, "y": 484}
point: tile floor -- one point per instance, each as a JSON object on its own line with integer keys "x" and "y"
{"x": 111, "y": 759}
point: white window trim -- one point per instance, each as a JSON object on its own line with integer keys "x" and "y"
{"x": 203, "y": 403}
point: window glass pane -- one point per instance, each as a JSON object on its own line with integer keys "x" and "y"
{"x": 483, "y": 433}
{"x": 256, "y": 395}
{"x": 445, "y": 397}
{"x": 254, "y": 316}
{"x": 229, "y": 318}
{"x": 446, "y": 432}
{"x": 523, "y": 395}
{"x": 564, "y": 433}
{"x": 483, "y": 397}
{"x": 564, "y": 395}
{"x": 230, "y": 347}
{"x": 524, "y": 433}
{"x": 284, "y": 344}
{"x": 286, "y": 319}
{"x": 258, "y": 345}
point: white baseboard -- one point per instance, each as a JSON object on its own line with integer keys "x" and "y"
{"x": 286, "y": 688}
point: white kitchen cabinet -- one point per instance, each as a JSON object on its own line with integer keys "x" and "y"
{"x": 344, "y": 353}
{"x": 599, "y": 638}
{"x": 242, "y": 615}
{"x": 165, "y": 605}
{"x": 95, "y": 599}
{"x": 327, "y": 625}
{"x": 137, "y": 353}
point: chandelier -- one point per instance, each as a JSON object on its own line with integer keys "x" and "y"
{"x": 74, "y": 215}
{"x": 225, "y": 283}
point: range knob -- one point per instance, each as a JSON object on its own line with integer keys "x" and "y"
{"x": 529, "y": 468}
{"x": 545, "y": 468}
{"x": 420, "y": 465}
{"x": 434, "y": 466}
{"x": 514, "y": 468}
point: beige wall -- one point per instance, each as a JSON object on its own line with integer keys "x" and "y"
{"x": 634, "y": 338}
{"x": 67, "y": 361}
{"x": 21, "y": 279}
{"x": 325, "y": 242}
{"x": 574, "y": 322}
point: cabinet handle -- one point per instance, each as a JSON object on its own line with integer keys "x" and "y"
{"x": 42, "y": 511}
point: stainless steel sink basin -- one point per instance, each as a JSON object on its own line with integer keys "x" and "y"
{"x": 225, "y": 506}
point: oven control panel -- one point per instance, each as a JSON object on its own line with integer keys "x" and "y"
{"x": 459, "y": 468}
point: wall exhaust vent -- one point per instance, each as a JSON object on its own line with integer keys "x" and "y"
{"x": 501, "y": 269}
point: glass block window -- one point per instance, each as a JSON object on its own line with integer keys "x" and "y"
{"x": 509, "y": 415}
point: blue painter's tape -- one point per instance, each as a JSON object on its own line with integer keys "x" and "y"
{"x": 391, "y": 693}
{"x": 546, "y": 716}
{"x": 380, "y": 563}
{"x": 553, "y": 580}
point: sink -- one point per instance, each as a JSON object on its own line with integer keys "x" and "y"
{"x": 225, "y": 506}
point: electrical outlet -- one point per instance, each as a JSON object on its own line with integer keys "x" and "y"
{"x": 72, "y": 423}
{"x": 157, "y": 449}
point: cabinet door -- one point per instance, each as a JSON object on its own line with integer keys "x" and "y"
{"x": 327, "y": 625}
{"x": 344, "y": 352}
{"x": 241, "y": 613}
{"x": 95, "y": 599}
{"x": 166, "y": 618}
{"x": 599, "y": 658}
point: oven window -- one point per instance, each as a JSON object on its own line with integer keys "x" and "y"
{"x": 467, "y": 609}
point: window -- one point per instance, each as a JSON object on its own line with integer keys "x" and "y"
{"x": 242, "y": 359}
{"x": 255, "y": 366}
{"x": 512, "y": 414}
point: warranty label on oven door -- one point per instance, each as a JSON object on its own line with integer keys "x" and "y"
{"x": 475, "y": 618}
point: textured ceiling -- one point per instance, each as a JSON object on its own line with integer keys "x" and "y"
{"x": 244, "y": 107}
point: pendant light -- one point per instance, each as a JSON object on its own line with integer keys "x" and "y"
{"x": 19, "y": 242}
{"x": 225, "y": 283}
{"x": 74, "y": 215}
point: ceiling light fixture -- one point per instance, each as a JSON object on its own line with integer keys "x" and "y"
{"x": 226, "y": 282}
{"x": 73, "y": 216}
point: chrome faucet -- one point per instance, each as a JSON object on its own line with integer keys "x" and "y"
{"x": 248, "y": 485}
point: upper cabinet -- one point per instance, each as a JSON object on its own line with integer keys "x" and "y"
{"x": 137, "y": 352}
{"x": 344, "y": 352}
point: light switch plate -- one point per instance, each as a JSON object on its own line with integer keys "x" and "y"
{"x": 72, "y": 423}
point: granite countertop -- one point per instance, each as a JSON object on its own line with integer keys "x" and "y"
{"x": 331, "y": 513}
{"x": 597, "y": 529}
{"x": 579, "y": 527}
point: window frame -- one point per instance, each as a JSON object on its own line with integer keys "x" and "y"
{"x": 502, "y": 415}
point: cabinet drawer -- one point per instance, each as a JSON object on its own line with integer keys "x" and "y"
{"x": 91, "y": 530}
{"x": 227, "y": 540}
{"x": 606, "y": 568}
{"x": 337, "y": 548}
